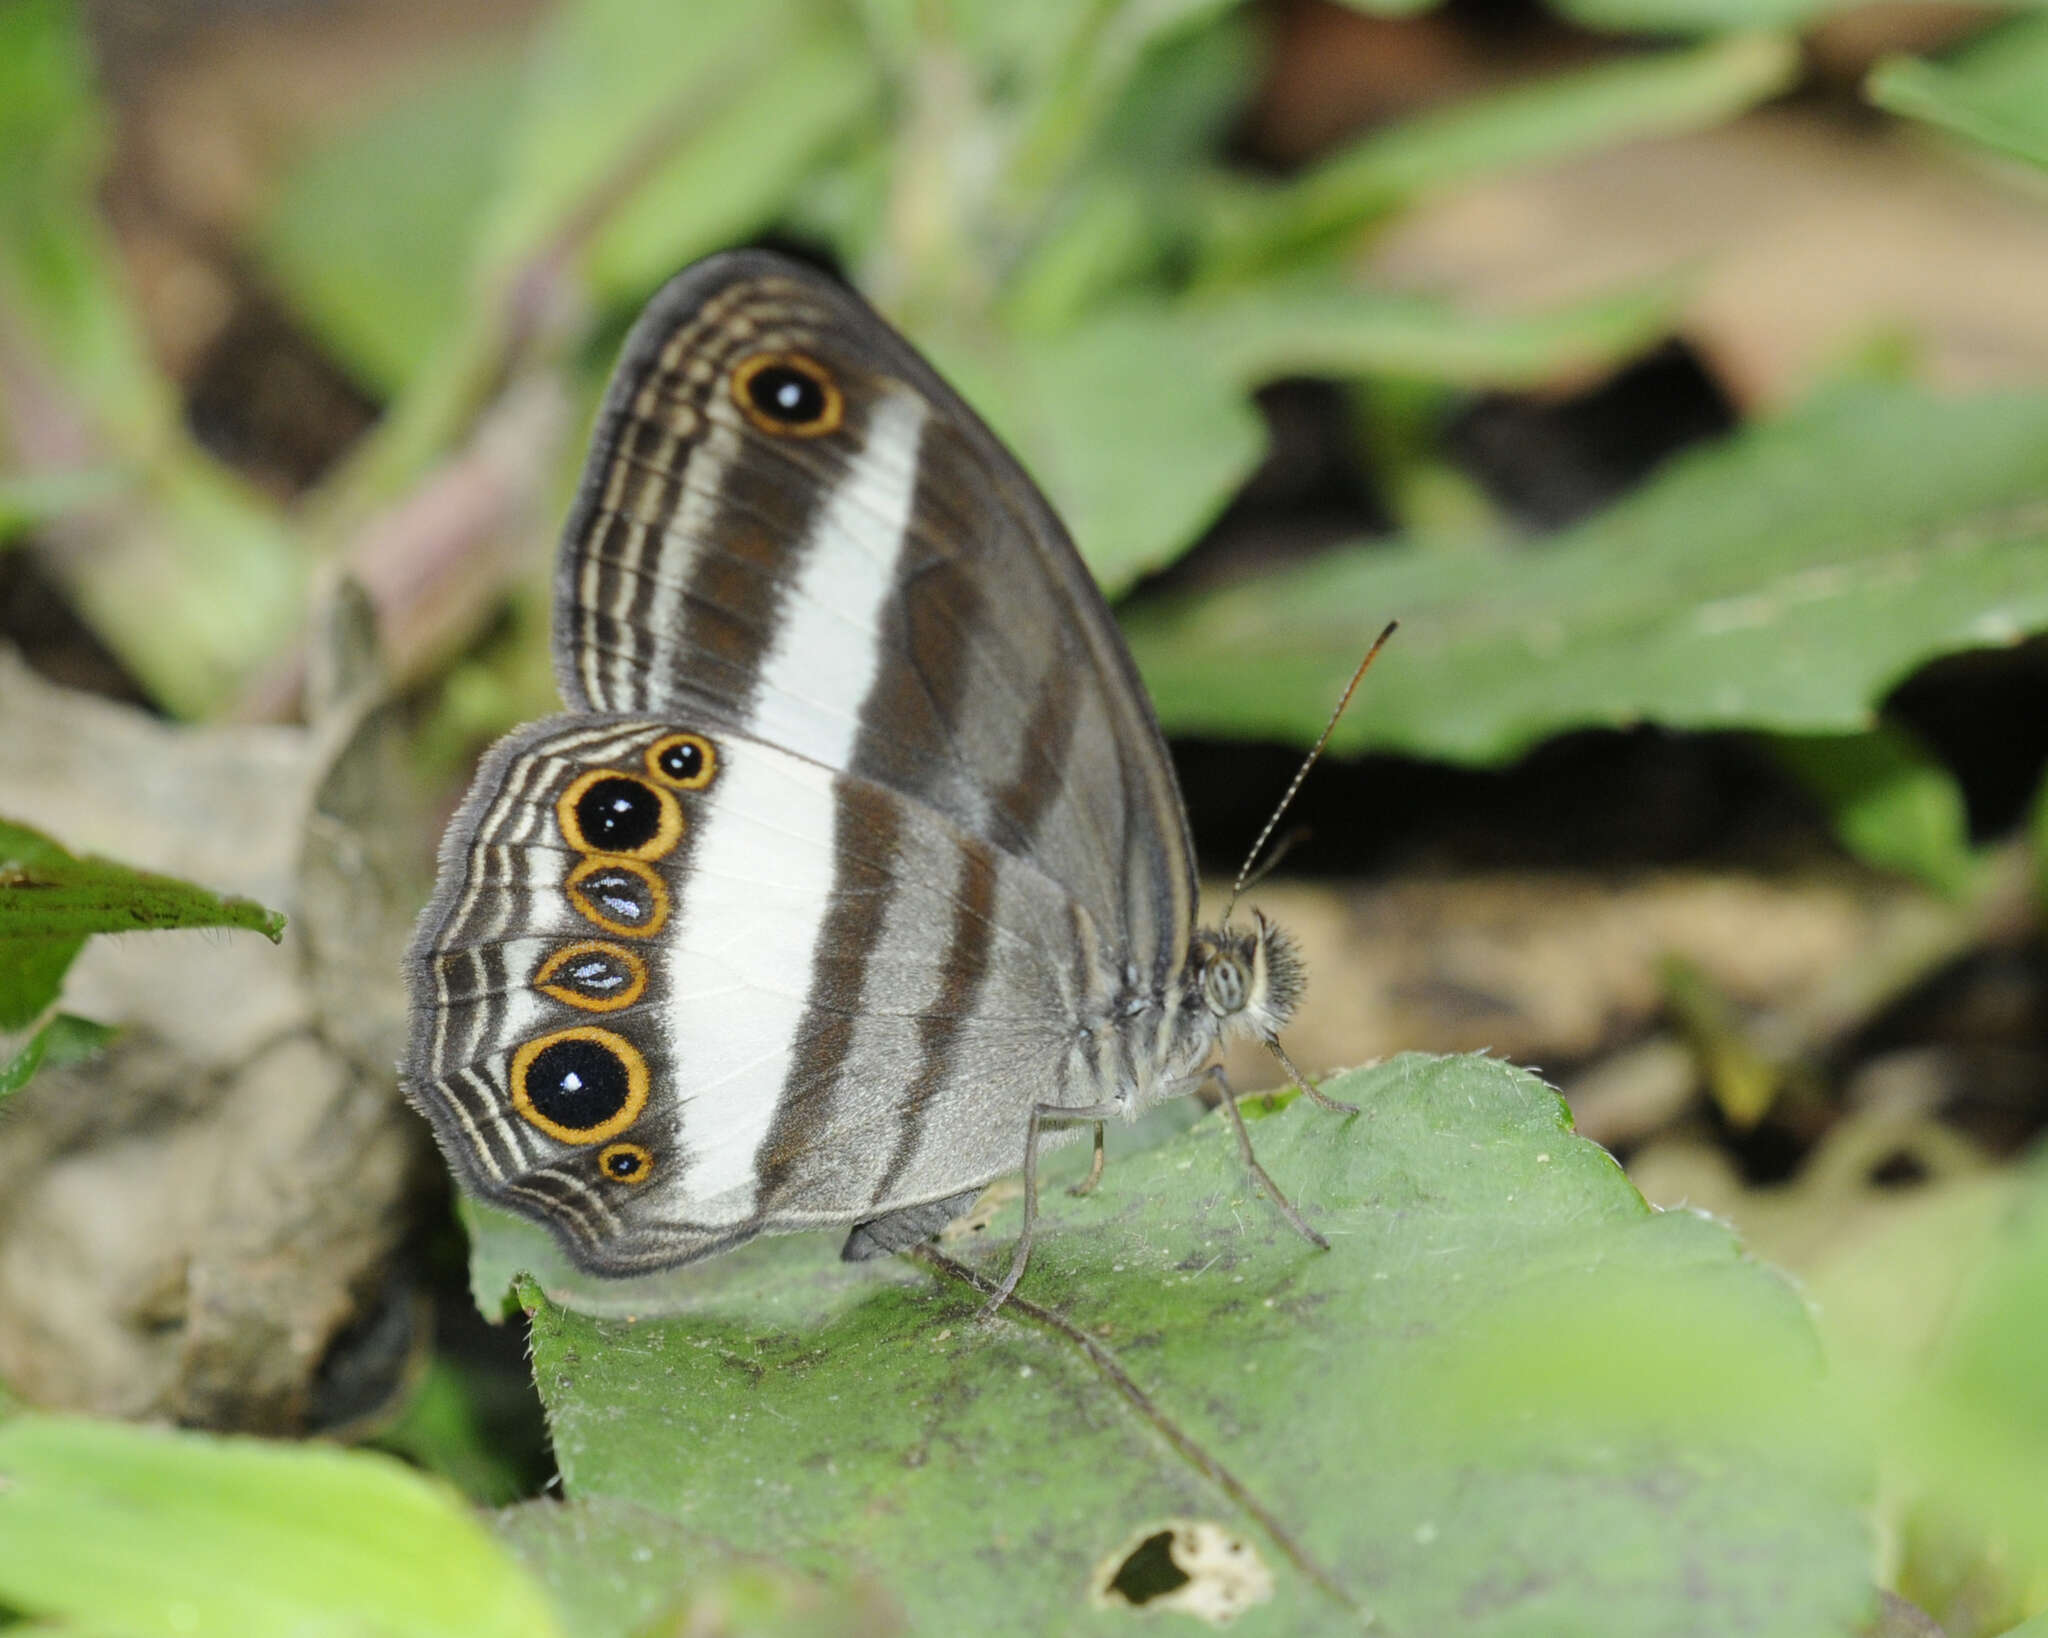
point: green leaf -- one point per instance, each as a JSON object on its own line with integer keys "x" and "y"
{"x": 1654, "y": 16}
{"x": 1937, "y": 1328}
{"x": 28, "y": 502}
{"x": 65, "y": 1039}
{"x": 1127, "y": 421}
{"x": 619, "y": 1571}
{"x": 1783, "y": 579}
{"x": 149, "y": 1532}
{"x": 621, "y": 89}
{"x": 1994, "y": 91}
{"x": 475, "y": 1427}
{"x": 1893, "y": 805}
{"x": 51, "y": 902}
{"x": 742, "y": 160}
{"x": 1137, "y": 421}
{"x": 1325, "y": 328}
{"x": 1976, "y": 1430}
{"x": 192, "y": 577}
{"x": 1652, "y": 94}
{"x": 640, "y": 134}
{"x": 1510, "y": 1399}
{"x": 372, "y": 236}
{"x": 54, "y": 258}
{"x": 1088, "y": 79}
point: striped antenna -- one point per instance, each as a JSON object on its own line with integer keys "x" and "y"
{"x": 1308, "y": 762}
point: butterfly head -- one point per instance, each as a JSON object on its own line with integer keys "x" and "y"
{"x": 1250, "y": 979}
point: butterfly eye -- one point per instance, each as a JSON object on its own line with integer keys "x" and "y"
{"x": 593, "y": 975}
{"x": 580, "y": 1085}
{"x": 603, "y": 812}
{"x": 686, "y": 761}
{"x": 626, "y": 1163}
{"x": 1225, "y": 984}
{"x": 785, "y": 393}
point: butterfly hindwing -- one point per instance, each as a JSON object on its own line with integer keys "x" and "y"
{"x": 733, "y": 1015}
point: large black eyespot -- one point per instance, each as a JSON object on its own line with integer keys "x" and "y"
{"x": 604, "y": 812}
{"x": 684, "y": 760}
{"x": 581, "y": 1085}
{"x": 593, "y": 975}
{"x": 788, "y": 393}
{"x": 620, "y": 895}
{"x": 618, "y": 815}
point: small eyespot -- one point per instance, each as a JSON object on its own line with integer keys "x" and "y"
{"x": 788, "y": 394}
{"x": 580, "y": 1085}
{"x": 593, "y": 975}
{"x": 687, "y": 761}
{"x": 625, "y": 1163}
{"x": 620, "y": 895}
{"x": 618, "y": 814}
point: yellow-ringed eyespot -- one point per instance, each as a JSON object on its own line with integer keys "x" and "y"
{"x": 625, "y": 1163}
{"x": 618, "y": 814}
{"x": 788, "y": 395}
{"x": 593, "y": 975}
{"x": 620, "y": 895}
{"x": 689, "y": 762}
{"x": 581, "y": 1085}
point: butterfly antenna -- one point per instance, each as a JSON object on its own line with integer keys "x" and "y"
{"x": 1273, "y": 860}
{"x": 1244, "y": 875}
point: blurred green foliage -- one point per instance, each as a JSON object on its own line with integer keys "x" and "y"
{"x": 1992, "y": 91}
{"x": 1039, "y": 199}
{"x": 1038, "y": 195}
{"x": 1732, "y": 591}
{"x": 145, "y": 1533}
{"x": 183, "y": 571}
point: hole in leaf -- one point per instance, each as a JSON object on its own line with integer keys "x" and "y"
{"x": 1149, "y": 1571}
{"x": 1189, "y": 1566}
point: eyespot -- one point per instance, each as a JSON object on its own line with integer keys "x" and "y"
{"x": 687, "y": 761}
{"x": 788, "y": 394}
{"x": 580, "y": 1085}
{"x": 618, "y": 814}
{"x": 625, "y": 1163}
{"x": 593, "y": 975}
{"x": 620, "y": 895}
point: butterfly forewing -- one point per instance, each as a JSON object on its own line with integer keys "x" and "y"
{"x": 877, "y": 586}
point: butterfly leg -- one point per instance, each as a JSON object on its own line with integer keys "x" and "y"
{"x": 1294, "y": 1218}
{"x": 1302, "y": 1082}
{"x": 1087, "y": 1184}
{"x": 1040, "y": 1113}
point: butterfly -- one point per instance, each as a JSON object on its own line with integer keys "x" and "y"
{"x": 855, "y": 868}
